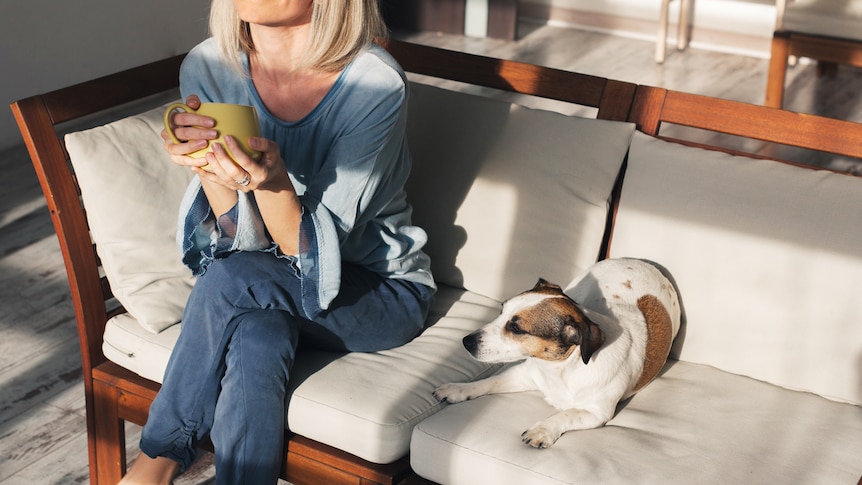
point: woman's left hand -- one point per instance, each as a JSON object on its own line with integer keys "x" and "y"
{"x": 275, "y": 195}
{"x": 267, "y": 173}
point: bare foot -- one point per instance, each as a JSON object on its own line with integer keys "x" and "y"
{"x": 151, "y": 471}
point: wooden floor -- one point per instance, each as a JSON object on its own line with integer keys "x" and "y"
{"x": 42, "y": 429}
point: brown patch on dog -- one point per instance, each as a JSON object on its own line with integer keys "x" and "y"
{"x": 628, "y": 284}
{"x": 659, "y": 338}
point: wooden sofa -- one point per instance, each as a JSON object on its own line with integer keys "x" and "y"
{"x": 115, "y": 394}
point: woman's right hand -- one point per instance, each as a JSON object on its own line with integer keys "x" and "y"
{"x": 194, "y": 130}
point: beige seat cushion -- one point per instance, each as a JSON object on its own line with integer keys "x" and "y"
{"x": 127, "y": 343}
{"x": 362, "y": 403}
{"x": 368, "y": 404}
{"x": 694, "y": 424}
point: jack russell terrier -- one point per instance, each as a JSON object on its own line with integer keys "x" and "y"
{"x": 585, "y": 349}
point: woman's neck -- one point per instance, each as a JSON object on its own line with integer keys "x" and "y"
{"x": 289, "y": 90}
{"x": 278, "y": 50}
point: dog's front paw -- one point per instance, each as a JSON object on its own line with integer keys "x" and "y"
{"x": 541, "y": 435}
{"x": 454, "y": 393}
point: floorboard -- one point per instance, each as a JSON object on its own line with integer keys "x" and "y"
{"x": 42, "y": 431}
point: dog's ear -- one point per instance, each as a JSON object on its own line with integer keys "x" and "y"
{"x": 592, "y": 338}
{"x": 545, "y": 284}
{"x": 585, "y": 334}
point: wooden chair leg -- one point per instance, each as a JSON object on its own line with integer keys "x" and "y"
{"x": 777, "y": 74}
{"x": 110, "y": 437}
{"x": 661, "y": 39}
{"x": 684, "y": 29}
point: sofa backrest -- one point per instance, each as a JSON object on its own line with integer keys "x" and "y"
{"x": 509, "y": 194}
{"x": 767, "y": 256}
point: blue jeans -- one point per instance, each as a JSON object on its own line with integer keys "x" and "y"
{"x": 227, "y": 376}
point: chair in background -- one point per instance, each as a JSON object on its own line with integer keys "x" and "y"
{"x": 828, "y": 31}
{"x": 684, "y": 28}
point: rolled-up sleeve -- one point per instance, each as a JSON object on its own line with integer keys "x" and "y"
{"x": 202, "y": 237}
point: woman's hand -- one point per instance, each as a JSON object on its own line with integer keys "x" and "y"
{"x": 195, "y": 130}
{"x": 275, "y": 195}
{"x": 231, "y": 169}
{"x": 274, "y": 192}
{"x": 229, "y": 166}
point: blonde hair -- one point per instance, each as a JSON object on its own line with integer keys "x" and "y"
{"x": 340, "y": 30}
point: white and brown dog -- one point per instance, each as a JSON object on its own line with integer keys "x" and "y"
{"x": 585, "y": 350}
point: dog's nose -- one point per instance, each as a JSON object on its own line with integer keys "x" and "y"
{"x": 471, "y": 342}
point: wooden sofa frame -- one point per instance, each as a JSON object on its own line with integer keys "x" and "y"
{"x": 115, "y": 395}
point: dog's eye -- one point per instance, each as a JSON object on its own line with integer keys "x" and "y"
{"x": 514, "y": 326}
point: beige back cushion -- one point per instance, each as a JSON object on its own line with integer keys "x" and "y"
{"x": 768, "y": 258}
{"x": 132, "y": 192}
{"x": 509, "y": 194}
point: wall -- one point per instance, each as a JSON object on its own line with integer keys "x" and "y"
{"x": 49, "y": 44}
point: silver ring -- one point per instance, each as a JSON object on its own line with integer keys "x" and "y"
{"x": 245, "y": 181}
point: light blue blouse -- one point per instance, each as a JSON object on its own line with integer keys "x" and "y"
{"x": 348, "y": 160}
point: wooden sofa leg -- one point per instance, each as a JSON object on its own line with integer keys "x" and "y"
{"x": 110, "y": 437}
{"x": 776, "y": 76}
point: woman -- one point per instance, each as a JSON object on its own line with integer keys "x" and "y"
{"x": 311, "y": 243}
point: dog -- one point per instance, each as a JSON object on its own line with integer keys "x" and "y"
{"x": 585, "y": 349}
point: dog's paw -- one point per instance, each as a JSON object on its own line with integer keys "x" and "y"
{"x": 540, "y": 436}
{"x": 454, "y": 393}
